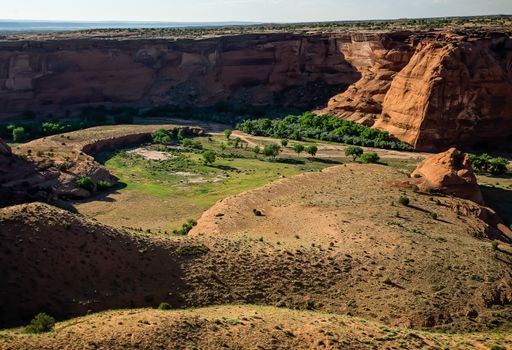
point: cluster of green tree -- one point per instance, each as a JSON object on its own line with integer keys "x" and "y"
{"x": 486, "y": 164}
{"x": 325, "y": 128}
{"x": 356, "y": 152}
{"x": 87, "y": 183}
{"x": 165, "y": 137}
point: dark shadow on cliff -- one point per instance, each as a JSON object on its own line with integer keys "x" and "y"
{"x": 500, "y": 200}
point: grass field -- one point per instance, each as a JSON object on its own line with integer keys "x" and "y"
{"x": 161, "y": 195}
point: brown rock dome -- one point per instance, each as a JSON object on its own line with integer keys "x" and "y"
{"x": 449, "y": 172}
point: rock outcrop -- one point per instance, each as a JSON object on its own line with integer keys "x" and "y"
{"x": 450, "y": 173}
{"x": 378, "y": 59}
{"x": 453, "y": 92}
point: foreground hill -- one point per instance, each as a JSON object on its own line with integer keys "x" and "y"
{"x": 336, "y": 241}
{"x": 239, "y": 327}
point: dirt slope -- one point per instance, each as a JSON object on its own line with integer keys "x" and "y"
{"x": 238, "y": 327}
{"x": 399, "y": 264}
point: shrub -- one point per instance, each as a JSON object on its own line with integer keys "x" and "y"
{"x": 495, "y": 245}
{"x": 18, "y": 134}
{"x": 312, "y": 150}
{"x": 103, "y": 185}
{"x": 433, "y": 215}
{"x": 227, "y": 133}
{"x": 191, "y": 250}
{"x": 271, "y": 150}
{"x": 498, "y": 347}
{"x": 185, "y": 228}
{"x": 298, "y": 148}
{"x": 164, "y": 306}
{"x": 209, "y": 157}
{"x": 404, "y": 200}
{"x": 41, "y": 323}
{"x": 371, "y": 157}
{"x": 354, "y": 151}
{"x": 195, "y": 144}
{"x": 161, "y": 136}
{"x": 256, "y": 150}
{"x": 284, "y": 142}
{"x": 86, "y": 183}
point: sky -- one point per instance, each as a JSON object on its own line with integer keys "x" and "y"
{"x": 245, "y": 10}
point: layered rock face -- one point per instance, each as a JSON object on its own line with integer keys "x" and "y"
{"x": 452, "y": 92}
{"x": 272, "y": 69}
{"x": 433, "y": 90}
{"x": 378, "y": 59}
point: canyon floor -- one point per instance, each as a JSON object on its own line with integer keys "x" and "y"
{"x": 320, "y": 244}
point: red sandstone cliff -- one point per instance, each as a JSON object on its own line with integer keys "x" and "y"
{"x": 432, "y": 90}
{"x": 267, "y": 69}
{"x": 452, "y": 90}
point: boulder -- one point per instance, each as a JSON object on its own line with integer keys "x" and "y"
{"x": 450, "y": 173}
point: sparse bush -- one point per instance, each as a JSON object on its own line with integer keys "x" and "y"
{"x": 298, "y": 148}
{"x": 164, "y": 306}
{"x": 41, "y": 323}
{"x": 311, "y": 150}
{"x": 161, "y": 136}
{"x": 185, "y": 228}
{"x": 209, "y": 157}
{"x": 256, "y": 150}
{"x": 195, "y": 144}
{"x": 191, "y": 250}
{"x": 103, "y": 185}
{"x": 370, "y": 157}
{"x": 18, "y": 134}
{"x": 404, "y": 200}
{"x": 271, "y": 150}
{"x": 354, "y": 151}
{"x": 86, "y": 182}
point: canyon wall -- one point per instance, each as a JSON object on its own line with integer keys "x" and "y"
{"x": 272, "y": 69}
{"x": 439, "y": 90}
{"x": 432, "y": 90}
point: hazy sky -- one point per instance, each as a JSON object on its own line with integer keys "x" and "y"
{"x": 245, "y": 10}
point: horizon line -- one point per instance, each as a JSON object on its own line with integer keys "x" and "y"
{"x": 244, "y": 21}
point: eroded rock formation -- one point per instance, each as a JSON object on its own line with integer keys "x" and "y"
{"x": 453, "y": 92}
{"x": 450, "y": 90}
{"x": 449, "y": 172}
